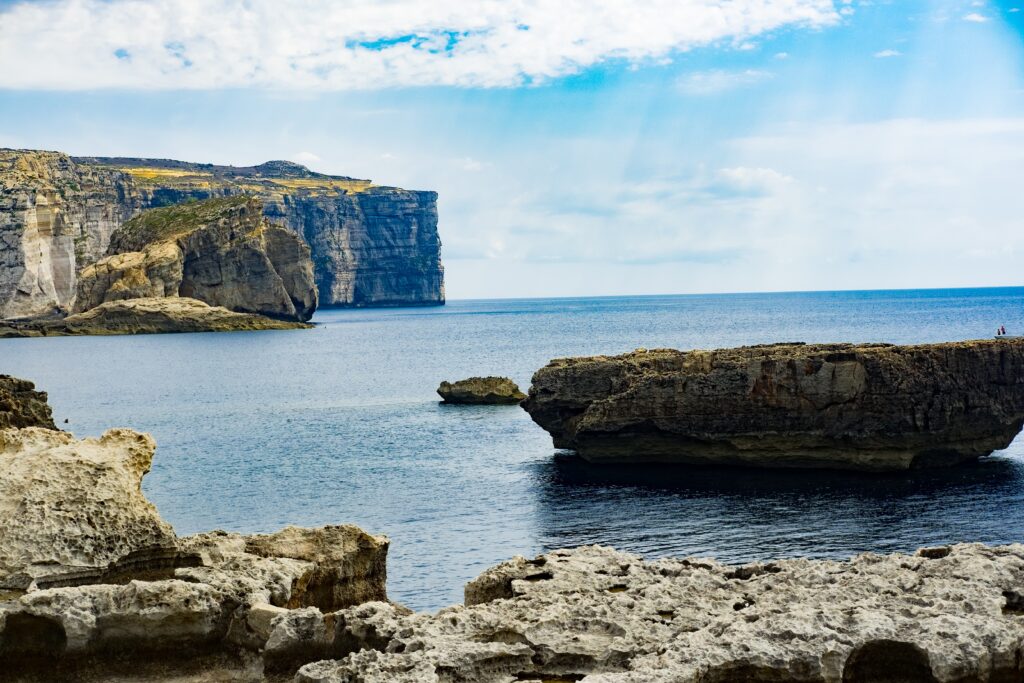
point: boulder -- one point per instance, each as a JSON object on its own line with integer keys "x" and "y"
{"x": 601, "y": 616}
{"x": 220, "y": 251}
{"x": 481, "y": 391}
{"x": 148, "y": 316}
{"x": 22, "y": 406}
{"x": 869, "y": 406}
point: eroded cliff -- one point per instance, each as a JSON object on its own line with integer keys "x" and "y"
{"x": 870, "y": 406}
{"x": 371, "y": 245}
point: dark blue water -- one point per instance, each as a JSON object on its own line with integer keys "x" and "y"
{"x": 341, "y": 424}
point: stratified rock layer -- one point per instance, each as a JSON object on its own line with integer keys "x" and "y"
{"x": 600, "y": 616}
{"x": 22, "y": 406}
{"x": 872, "y": 406}
{"x": 147, "y": 316}
{"x": 220, "y": 251}
{"x": 481, "y": 391}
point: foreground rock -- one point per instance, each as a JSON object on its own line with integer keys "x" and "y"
{"x": 91, "y": 579}
{"x": 22, "y": 406}
{"x": 481, "y": 390}
{"x": 148, "y": 316}
{"x": 220, "y": 251}
{"x": 871, "y": 407}
{"x": 600, "y": 616}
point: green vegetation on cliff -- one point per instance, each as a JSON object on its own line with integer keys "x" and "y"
{"x": 171, "y": 222}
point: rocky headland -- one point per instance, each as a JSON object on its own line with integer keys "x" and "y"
{"x": 869, "y": 406}
{"x": 21, "y": 405}
{"x": 481, "y": 391}
{"x": 371, "y": 245}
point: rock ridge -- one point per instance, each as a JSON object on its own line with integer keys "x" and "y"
{"x": 867, "y": 406}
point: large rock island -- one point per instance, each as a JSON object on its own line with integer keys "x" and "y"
{"x": 371, "y": 245}
{"x": 871, "y": 406}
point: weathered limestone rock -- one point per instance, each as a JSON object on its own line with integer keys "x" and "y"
{"x": 481, "y": 390}
{"x": 22, "y": 406}
{"x": 870, "y": 406}
{"x": 220, "y": 251}
{"x": 148, "y": 316}
{"x": 71, "y": 508}
{"x": 91, "y": 578}
{"x": 371, "y": 245}
{"x": 601, "y": 616}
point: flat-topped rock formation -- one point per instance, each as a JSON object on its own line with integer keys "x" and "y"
{"x": 147, "y": 316}
{"x": 600, "y": 616}
{"x": 371, "y": 245}
{"x": 22, "y": 406}
{"x": 481, "y": 391}
{"x": 220, "y": 251}
{"x": 869, "y": 406}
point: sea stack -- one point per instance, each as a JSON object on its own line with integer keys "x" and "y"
{"x": 481, "y": 391}
{"x": 867, "y": 407}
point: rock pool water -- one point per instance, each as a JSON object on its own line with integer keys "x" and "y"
{"x": 341, "y": 424}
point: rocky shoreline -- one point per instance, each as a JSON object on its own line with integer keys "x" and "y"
{"x": 869, "y": 407}
{"x": 94, "y": 585}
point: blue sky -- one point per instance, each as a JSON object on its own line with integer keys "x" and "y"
{"x": 581, "y": 148}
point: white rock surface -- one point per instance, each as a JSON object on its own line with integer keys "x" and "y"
{"x": 602, "y": 616}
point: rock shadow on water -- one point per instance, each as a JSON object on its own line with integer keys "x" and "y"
{"x": 743, "y": 515}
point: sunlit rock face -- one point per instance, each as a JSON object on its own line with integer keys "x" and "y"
{"x": 55, "y": 216}
{"x": 371, "y": 245}
{"x": 871, "y": 407}
{"x": 221, "y": 251}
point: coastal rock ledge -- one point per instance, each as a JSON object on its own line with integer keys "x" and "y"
{"x": 867, "y": 407}
{"x": 481, "y": 391}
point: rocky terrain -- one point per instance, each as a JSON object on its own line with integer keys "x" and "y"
{"x": 220, "y": 251}
{"x": 481, "y": 391}
{"x": 371, "y": 245}
{"x": 871, "y": 406}
{"x": 147, "y": 316}
{"x": 22, "y": 406}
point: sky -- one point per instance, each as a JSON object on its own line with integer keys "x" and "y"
{"x": 580, "y": 147}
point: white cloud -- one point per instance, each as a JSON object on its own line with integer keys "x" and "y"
{"x": 976, "y": 18}
{"x": 345, "y": 44}
{"x": 471, "y": 164}
{"x": 719, "y": 80}
{"x": 747, "y": 180}
{"x": 882, "y": 54}
{"x": 781, "y": 55}
{"x": 305, "y": 158}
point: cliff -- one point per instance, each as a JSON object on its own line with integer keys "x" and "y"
{"x": 371, "y": 245}
{"x": 220, "y": 251}
{"x": 22, "y": 406}
{"x": 873, "y": 406}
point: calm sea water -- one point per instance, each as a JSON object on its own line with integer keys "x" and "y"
{"x": 341, "y": 424}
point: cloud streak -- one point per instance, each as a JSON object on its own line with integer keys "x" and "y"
{"x": 361, "y": 44}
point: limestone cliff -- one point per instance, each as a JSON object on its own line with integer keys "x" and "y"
{"x": 55, "y": 216}
{"x": 371, "y": 245}
{"x": 22, "y": 406}
{"x": 872, "y": 406}
{"x": 220, "y": 251}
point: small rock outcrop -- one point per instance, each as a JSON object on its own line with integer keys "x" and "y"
{"x": 22, "y": 406}
{"x": 147, "y": 316}
{"x": 869, "y": 406}
{"x": 600, "y": 616}
{"x": 481, "y": 391}
{"x": 220, "y": 251}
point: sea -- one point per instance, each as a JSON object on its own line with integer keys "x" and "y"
{"x": 341, "y": 424}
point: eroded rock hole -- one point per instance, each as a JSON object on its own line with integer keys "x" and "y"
{"x": 1014, "y": 603}
{"x": 29, "y": 636}
{"x": 888, "y": 661}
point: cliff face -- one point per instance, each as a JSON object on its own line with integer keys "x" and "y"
{"x": 22, "y": 406}
{"x": 874, "y": 407}
{"x": 371, "y": 245}
{"x": 55, "y": 216}
{"x": 221, "y": 251}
